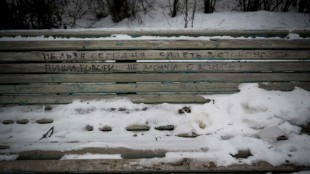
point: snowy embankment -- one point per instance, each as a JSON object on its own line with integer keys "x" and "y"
{"x": 261, "y": 20}
{"x": 265, "y": 123}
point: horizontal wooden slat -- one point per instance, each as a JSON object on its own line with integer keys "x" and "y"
{"x": 118, "y": 88}
{"x": 135, "y": 166}
{"x": 302, "y": 33}
{"x": 155, "y": 67}
{"x": 125, "y": 153}
{"x": 153, "y": 44}
{"x": 159, "y": 77}
{"x": 284, "y": 86}
{"x": 39, "y": 56}
{"x": 136, "y": 33}
{"x": 142, "y": 87}
{"x": 65, "y": 99}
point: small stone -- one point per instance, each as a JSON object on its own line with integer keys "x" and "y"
{"x": 212, "y": 164}
{"x": 105, "y": 129}
{"x": 305, "y": 129}
{"x": 89, "y": 128}
{"x": 22, "y": 121}
{"x": 121, "y": 109}
{"x": 185, "y": 110}
{"x": 145, "y": 108}
{"x": 136, "y": 127}
{"x": 111, "y": 109}
{"x": 134, "y": 135}
{"x": 242, "y": 154}
{"x": 202, "y": 125}
{"x": 188, "y": 135}
{"x": 48, "y": 108}
{"x": 165, "y": 128}
{"x": 45, "y": 121}
{"x": 282, "y": 138}
{"x": 7, "y": 121}
{"x": 204, "y": 149}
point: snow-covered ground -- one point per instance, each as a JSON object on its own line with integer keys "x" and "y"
{"x": 227, "y": 16}
{"x": 252, "y": 120}
{"x": 217, "y": 20}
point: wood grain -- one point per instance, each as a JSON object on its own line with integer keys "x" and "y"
{"x": 153, "y": 44}
{"x": 118, "y": 88}
{"x": 155, "y": 67}
{"x": 133, "y": 33}
{"x": 130, "y": 166}
{"x": 83, "y": 56}
{"x": 66, "y": 99}
{"x": 151, "y": 77}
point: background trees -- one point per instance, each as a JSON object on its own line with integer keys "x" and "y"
{"x": 41, "y": 14}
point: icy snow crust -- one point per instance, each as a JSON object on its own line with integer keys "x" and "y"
{"x": 232, "y": 122}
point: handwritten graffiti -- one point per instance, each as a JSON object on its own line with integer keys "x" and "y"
{"x": 170, "y": 55}
{"x": 144, "y": 67}
{"x": 79, "y": 68}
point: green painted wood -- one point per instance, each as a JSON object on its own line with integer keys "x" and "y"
{"x": 66, "y": 99}
{"x": 153, "y": 44}
{"x": 154, "y": 77}
{"x": 83, "y": 56}
{"x": 136, "y": 33}
{"x": 168, "y": 67}
{"x": 118, "y": 88}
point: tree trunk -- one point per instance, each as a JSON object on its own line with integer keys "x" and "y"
{"x": 302, "y": 6}
{"x": 175, "y": 8}
{"x": 207, "y": 5}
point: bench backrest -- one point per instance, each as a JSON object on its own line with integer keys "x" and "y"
{"x": 147, "y": 71}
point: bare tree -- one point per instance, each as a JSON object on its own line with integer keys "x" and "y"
{"x": 209, "y": 6}
{"x": 193, "y": 13}
{"x": 32, "y": 14}
{"x": 175, "y": 8}
{"x": 185, "y": 13}
{"x": 79, "y": 10}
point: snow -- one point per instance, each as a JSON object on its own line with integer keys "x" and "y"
{"x": 252, "y": 119}
{"x": 91, "y": 156}
{"x": 8, "y": 157}
{"x": 226, "y": 17}
{"x": 217, "y": 20}
{"x": 302, "y": 172}
{"x": 249, "y": 120}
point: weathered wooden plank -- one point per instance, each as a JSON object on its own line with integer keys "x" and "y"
{"x": 136, "y": 33}
{"x": 125, "y": 153}
{"x": 284, "y": 86}
{"x": 168, "y": 67}
{"x": 143, "y": 87}
{"x": 39, "y": 56}
{"x": 153, "y": 44}
{"x": 132, "y": 166}
{"x": 302, "y": 33}
{"x": 65, "y": 99}
{"x": 151, "y": 77}
{"x": 118, "y": 88}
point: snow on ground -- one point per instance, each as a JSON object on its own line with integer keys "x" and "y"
{"x": 227, "y": 16}
{"x": 252, "y": 120}
{"x": 290, "y": 36}
{"x": 218, "y": 20}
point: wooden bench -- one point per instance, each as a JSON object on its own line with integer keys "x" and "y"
{"x": 145, "y": 71}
